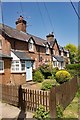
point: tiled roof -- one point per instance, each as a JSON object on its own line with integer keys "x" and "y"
{"x": 62, "y": 49}
{"x": 5, "y": 56}
{"x": 59, "y": 58}
{"x": 19, "y": 35}
{"x": 22, "y": 55}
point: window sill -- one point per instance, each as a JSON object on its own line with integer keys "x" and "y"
{"x": 32, "y": 51}
{"x": 1, "y": 72}
{"x": 47, "y": 53}
{"x": 13, "y": 72}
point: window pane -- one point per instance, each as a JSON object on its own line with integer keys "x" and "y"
{"x": 1, "y": 66}
{"x": 15, "y": 66}
{"x": 0, "y": 44}
{"x": 22, "y": 65}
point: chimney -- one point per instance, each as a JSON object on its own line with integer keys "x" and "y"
{"x": 50, "y": 37}
{"x": 21, "y": 24}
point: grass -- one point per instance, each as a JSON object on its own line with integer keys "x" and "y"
{"x": 72, "y": 110}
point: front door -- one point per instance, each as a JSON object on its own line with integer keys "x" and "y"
{"x": 28, "y": 70}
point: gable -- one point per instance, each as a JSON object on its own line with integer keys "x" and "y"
{"x": 55, "y": 46}
{"x": 14, "y": 56}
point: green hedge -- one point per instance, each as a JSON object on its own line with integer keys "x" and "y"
{"x": 38, "y": 77}
{"x": 47, "y": 84}
{"x": 73, "y": 66}
{"x": 74, "y": 69}
{"x": 62, "y": 76}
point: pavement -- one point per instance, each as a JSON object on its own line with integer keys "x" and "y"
{"x": 9, "y": 111}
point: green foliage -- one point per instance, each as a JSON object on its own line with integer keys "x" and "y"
{"x": 54, "y": 71}
{"x": 78, "y": 53}
{"x": 38, "y": 77}
{"x": 46, "y": 85}
{"x": 73, "y": 52}
{"x": 59, "y": 111}
{"x": 46, "y": 70}
{"x": 74, "y": 69}
{"x": 41, "y": 114}
{"x": 62, "y": 76}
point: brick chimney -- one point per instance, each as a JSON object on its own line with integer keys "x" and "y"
{"x": 50, "y": 37}
{"x": 21, "y": 24}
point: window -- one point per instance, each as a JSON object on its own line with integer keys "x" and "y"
{"x": 1, "y": 66}
{"x": 18, "y": 66}
{"x": 22, "y": 65}
{"x": 31, "y": 45}
{"x": 62, "y": 53}
{"x": 15, "y": 66}
{"x": 0, "y": 44}
{"x": 47, "y": 49}
{"x": 55, "y": 63}
{"x": 53, "y": 52}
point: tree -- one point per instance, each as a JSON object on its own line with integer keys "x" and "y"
{"x": 73, "y": 52}
{"x": 79, "y": 53}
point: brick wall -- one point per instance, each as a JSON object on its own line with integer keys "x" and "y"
{"x": 5, "y": 77}
{"x": 5, "y": 45}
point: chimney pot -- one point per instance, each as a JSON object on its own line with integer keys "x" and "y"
{"x": 21, "y": 24}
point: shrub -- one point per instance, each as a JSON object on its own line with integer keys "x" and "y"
{"x": 59, "y": 111}
{"x": 41, "y": 114}
{"x": 54, "y": 71}
{"x": 46, "y": 70}
{"x": 38, "y": 77}
{"x": 73, "y": 69}
{"x": 46, "y": 85}
{"x": 62, "y": 76}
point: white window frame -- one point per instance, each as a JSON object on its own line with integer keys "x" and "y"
{"x": 15, "y": 68}
{"x": 47, "y": 49}
{"x": 2, "y": 71}
{"x": 0, "y": 44}
{"x": 62, "y": 54}
{"x": 31, "y": 45}
{"x": 23, "y": 63}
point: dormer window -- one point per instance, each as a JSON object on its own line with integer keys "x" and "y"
{"x": 31, "y": 45}
{"x": 67, "y": 54}
{"x": 62, "y": 53}
{"x": 0, "y": 44}
{"x": 47, "y": 49}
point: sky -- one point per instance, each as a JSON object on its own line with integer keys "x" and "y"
{"x": 44, "y": 18}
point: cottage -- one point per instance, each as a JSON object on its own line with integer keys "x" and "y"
{"x": 21, "y": 52}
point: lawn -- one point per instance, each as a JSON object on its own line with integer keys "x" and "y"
{"x": 72, "y": 110}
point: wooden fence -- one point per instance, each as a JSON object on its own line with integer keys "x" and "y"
{"x": 34, "y": 98}
{"x": 31, "y": 99}
{"x": 9, "y": 94}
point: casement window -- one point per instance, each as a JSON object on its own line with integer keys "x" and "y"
{"x": 0, "y": 44}
{"x": 22, "y": 65}
{"x": 54, "y": 52}
{"x": 18, "y": 66}
{"x": 55, "y": 63}
{"x": 47, "y": 49}
{"x": 1, "y": 66}
{"x": 62, "y": 54}
{"x": 31, "y": 45}
{"x": 34, "y": 65}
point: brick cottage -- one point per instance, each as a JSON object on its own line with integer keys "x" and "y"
{"x": 21, "y": 52}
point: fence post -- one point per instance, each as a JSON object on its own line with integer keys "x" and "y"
{"x": 52, "y": 102}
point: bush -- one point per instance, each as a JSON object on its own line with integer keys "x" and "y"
{"x": 38, "y": 77}
{"x": 46, "y": 85}
{"x": 74, "y": 69}
{"x": 54, "y": 71}
{"x": 41, "y": 114}
{"x": 46, "y": 70}
{"x": 59, "y": 111}
{"x": 62, "y": 76}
